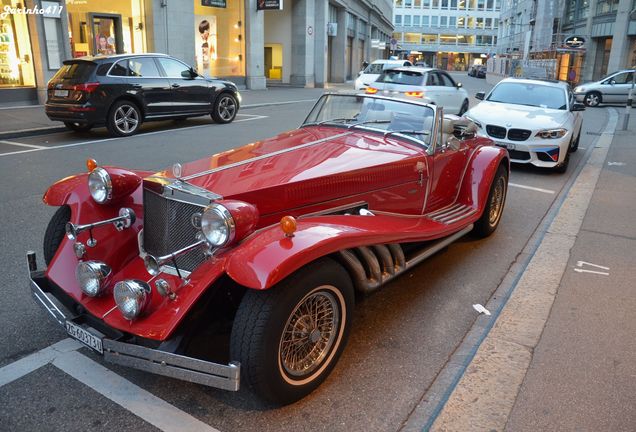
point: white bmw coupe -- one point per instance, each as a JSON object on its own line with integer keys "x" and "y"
{"x": 538, "y": 121}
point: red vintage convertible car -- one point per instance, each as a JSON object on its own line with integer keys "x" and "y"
{"x": 244, "y": 266}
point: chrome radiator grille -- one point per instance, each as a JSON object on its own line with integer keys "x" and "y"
{"x": 168, "y": 228}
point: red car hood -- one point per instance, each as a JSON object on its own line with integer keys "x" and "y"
{"x": 303, "y": 167}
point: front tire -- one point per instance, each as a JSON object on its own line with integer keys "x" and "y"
{"x": 593, "y": 99}
{"x": 289, "y": 338}
{"x": 574, "y": 145}
{"x": 489, "y": 220}
{"x": 464, "y": 108}
{"x": 124, "y": 119}
{"x": 563, "y": 167}
{"x": 55, "y": 232}
{"x": 78, "y": 127}
{"x": 225, "y": 108}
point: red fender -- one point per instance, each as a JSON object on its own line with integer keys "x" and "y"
{"x": 268, "y": 256}
{"x": 479, "y": 175}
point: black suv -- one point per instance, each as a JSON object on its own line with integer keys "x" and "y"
{"x": 122, "y": 91}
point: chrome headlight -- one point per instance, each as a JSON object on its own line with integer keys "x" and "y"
{"x": 92, "y": 277}
{"x": 579, "y": 90}
{"x": 100, "y": 185}
{"x": 552, "y": 133}
{"x": 132, "y": 297}
{"x": 217, "y": 225}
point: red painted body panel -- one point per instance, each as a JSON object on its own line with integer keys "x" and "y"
{"x": 390, "y": 175}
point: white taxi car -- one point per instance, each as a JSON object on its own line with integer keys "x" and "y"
{"x": 538, "y": 121}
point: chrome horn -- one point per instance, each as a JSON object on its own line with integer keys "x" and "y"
{"x": 125, "y": 219}
{"x": 153, "y": 264}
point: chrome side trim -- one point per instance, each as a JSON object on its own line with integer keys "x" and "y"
{"x": 334, "y": 209}
{"x": 226, "y": 377}
{"x": 265, "y": 156}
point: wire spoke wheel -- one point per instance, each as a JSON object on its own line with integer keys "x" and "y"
{"x": 310, "y": 333}
{"x": 497, "y": 201}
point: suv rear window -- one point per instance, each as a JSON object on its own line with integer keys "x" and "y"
{"x": 401, "y": 77}
{"x": 79, "y": 71}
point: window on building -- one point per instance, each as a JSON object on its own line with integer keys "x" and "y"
{"x": 425, "y": 21}
{"x": 434, "y": 21}
{"x": 481, "y": 4}
{"x": 479, "y": 23}
{"x": 417, "y": 4}
{"x": 452, "y": 21}
{"x": 407, "y": 20}
{"x": 416, "y": 20}
{"x": 414, "y": 38}
{"x": 408, "y": 3}
{"x": 435, "y": 4}
{"x": 488, "y": 23}
{"x": 426, "y": 4}
{"x": 443, "y": 21}
{"x": 399, "y": 3}
{"x": 398, "y": 20}
{"x": 453, "y": 4}
{"x": 445, "y": 4}
{"x": 461, "y": 22}
{"x": 490, "y": 4}
{"x": 429, "y": 39}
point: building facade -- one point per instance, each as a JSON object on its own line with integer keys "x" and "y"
{"x": 570, "y": 40}
{"x": 254, "y": 43}
{"x": 448, "y": 34}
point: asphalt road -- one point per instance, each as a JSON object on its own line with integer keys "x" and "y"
{"x": 402, "y": 335}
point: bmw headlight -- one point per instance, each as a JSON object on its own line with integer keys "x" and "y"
{"x": 100, "y": 185}
{"x": 217, "y": 225}
{"x": 552, "y": 133}
{"x": 132, "y": 297}
{"x": 92, "y": 277}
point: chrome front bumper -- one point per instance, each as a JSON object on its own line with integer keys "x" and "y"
{"x": 226, "y": 377}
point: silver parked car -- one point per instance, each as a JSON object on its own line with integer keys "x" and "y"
{"x": 614, "y": 88}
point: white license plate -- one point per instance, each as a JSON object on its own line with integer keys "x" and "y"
{"x": 60, "y": 93}
{"x": 85, "y": 337}
{"x": 505, "y": 145}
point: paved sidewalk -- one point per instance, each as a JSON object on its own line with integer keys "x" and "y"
{"x": 582, "y": 376}
{"x": 561, "y": 355}
{"x": 31, "y": 120}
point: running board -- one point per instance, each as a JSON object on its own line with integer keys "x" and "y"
{"x": 373, "y": 266}
{"x": 452, "y": 213}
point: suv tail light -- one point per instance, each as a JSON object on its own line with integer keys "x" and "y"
{"x": 87, "y": 87}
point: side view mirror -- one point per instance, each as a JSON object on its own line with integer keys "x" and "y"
{"x": 480, "y": 95}
{"x": 612, "y": 82}
{"x": 578, "y": 106}
{"x": 360, "y": 73}
{"x": 459, "y": 85}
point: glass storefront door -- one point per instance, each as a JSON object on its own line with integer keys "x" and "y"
{"x": 106, "y": 27}
{"x": 16, "y": 60}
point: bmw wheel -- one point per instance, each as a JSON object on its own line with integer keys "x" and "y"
{"x": 124, "y": 118}
{"x": 593, "y": 99}
{"x": 574, "y": 145}
{"x": 464, "y": 108}
{"x": 289, "y": 338}
{"x": 225, "y": 108}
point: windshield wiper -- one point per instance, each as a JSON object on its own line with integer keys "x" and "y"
{"x": 367, "y": 122}
{"x": 336, "y": 120}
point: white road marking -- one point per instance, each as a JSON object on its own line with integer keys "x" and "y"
{"x": 536, "y": 189}
{"x": 21, "y": 144}
{"x": 133, "y": 398}
{"x": 583, "y": 263}
{"x": 591, "y": 271}
{"x": 83, "y": 143}
{"x": 28, "y": 364}
{"x": 616, "y": 163}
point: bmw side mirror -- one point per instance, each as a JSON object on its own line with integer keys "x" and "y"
{"x": 459, "y": 85}
{"x": 480, "y": 95}
{"x": 578, "y": 106}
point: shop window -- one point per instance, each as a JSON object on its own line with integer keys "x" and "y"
{"x": 16, "y": 60}
{"x": 414, "y": 38}
{"x": 106, "y": 27}
{"x": 220, "y": 39}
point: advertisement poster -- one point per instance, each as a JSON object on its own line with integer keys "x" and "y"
{"x": 269, "y": 5}
{"x": 205, "y": 45}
